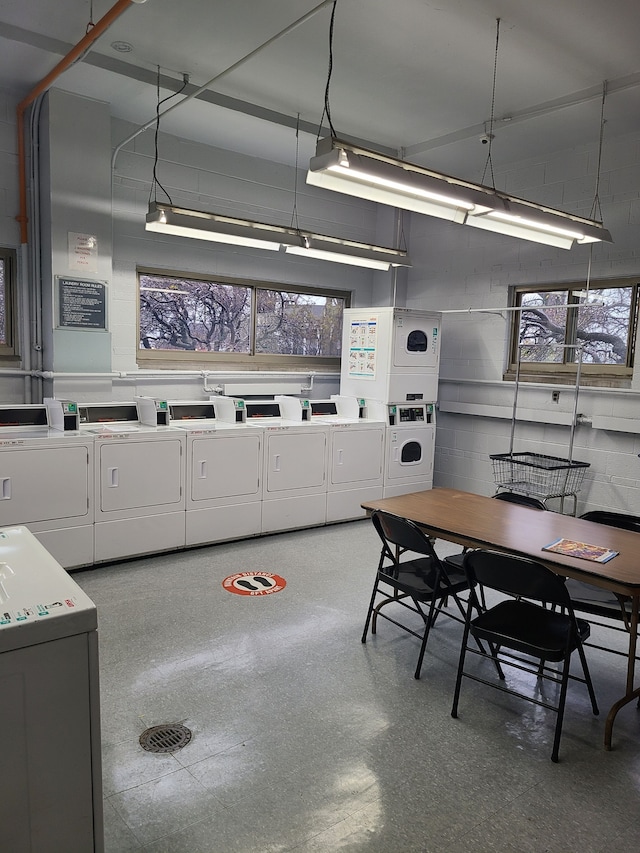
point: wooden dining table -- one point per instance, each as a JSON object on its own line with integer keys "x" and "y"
{"x": 476, "y": 521}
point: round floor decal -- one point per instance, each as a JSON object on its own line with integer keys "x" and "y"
{"x": 254, "y": 583}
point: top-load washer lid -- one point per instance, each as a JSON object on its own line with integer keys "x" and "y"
{"x": 189, "y": 411}
{"x": 28, "y": 421}
{"x": 325, "y": 409}
{"x": 263, "y": 412}
{"x": 39, "y": 600}
{"x": 193, "y": 416}
{"x": 109, "y": 417}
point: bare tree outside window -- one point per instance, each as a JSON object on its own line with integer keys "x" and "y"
{"x": 3, "y": 320}
{"x": 256, "y": 322}
{"x": 200, "y": 316}
{"x": 298, "y": 323}
{"x": 8, "y": 319}
{"x": 601, "y": 329}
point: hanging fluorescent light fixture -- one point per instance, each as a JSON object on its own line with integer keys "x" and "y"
{"x": 168, "y": 219}
{"x": 355, "y": 171}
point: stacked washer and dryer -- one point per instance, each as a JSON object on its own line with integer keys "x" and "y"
{"x": 390, "y": 363}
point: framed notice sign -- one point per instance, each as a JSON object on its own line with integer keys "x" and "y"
{"x": 81, "y": 304}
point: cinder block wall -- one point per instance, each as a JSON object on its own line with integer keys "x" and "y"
{"x": 458, "y": 268}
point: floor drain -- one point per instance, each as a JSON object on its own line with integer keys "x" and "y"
{"x": 165, "y": 738}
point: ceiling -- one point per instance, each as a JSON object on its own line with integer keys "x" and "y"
{"x": 410, "y": 76}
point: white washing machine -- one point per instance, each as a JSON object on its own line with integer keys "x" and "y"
{"x": 223, "y": 470}
{"x": 49, "y": 704}
{"x": 294, "y": 484}
{"x": 409, "y": 448}
{"x": 390, "y": 354}
{"x": 46, "y": 481}
{"x": 139, "y": 481}
{"x": 356, "y": 455}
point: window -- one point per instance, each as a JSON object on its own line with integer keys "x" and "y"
{"x": 7, "y": 307}
{"x": 202, "y": 320}
{"x": 549, "y": 338}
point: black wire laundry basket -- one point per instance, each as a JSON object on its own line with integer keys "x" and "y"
{"x": 535, "y": 474}
{"x": 538, "y": 475}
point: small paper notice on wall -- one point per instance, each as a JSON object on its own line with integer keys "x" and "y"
{"x": 83, "y": 252}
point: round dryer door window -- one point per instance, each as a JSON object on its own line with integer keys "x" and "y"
{"x": 411, "y": 453}
{"x": 417, "y": 341}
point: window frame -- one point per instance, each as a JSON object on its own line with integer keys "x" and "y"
{"x": 603, "y": 375}
{"x": 9, "y": 348}
{"x": 173, "y": 359}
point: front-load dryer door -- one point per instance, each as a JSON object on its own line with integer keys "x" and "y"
{"x": 43, "y": 484}
{"x": 140, "y": 474}
{"x": 416, "y": 342}
{"x": 410, "y": 453}
{"x": 295, "y": 460}
{"x": 356, "y": 455}
{"x": 225, "y": 467}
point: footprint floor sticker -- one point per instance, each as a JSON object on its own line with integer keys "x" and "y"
{"x": 254, "y": 583}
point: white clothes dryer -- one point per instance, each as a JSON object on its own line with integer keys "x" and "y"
{"x": 139, "y": 482}
{"x": 409, "y": 448}
{"x": 223, "y": 470}
{"x": 294, "y": 490}
{"x": 46, "y": 482}
{"x": 390, "y": 354}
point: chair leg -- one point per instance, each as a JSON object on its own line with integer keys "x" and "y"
{"x": 427, "y": 627}
{"x": 560, "y": 711}
{"x": 463, "y": 653}
{"x": 369, "y": 612}
{"x": 587, "y": 678}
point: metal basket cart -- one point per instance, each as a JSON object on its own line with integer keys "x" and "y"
{"x": 537, "y": 475}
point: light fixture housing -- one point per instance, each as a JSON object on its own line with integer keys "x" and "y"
{"x": 350, "y": 169}
{"x": 169, "y": 219}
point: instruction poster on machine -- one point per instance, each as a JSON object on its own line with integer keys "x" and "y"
{"x": 363, "y": 339}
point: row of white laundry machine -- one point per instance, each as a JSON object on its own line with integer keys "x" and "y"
{"x": 99, "y": 482}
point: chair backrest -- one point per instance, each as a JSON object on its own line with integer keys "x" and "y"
{"x": 514, "y": 498}
{"x": 395, "y": 530}
{"x": 613, "y": 519}
{"x": 516, "y": 576}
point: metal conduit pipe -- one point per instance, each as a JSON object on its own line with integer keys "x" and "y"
{"x": 217, "y": 77}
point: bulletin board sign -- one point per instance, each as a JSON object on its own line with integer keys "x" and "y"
{"x": 81, "y": 304}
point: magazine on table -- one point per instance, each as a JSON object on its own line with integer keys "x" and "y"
{"x": 582, "y": 550}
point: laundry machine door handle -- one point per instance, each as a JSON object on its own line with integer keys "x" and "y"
{"x": 339, "y": 459}
{"x": 113, "y": 478}
{"x": 5, "y": 493}
{"x": 276, "y": 462}
{"x": 203, "y": 469}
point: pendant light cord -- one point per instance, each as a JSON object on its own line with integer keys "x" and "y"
{"x": 595, "y": 208}
{"x": 90, "y": 25}
{"x": 153, "y": 191}
{"x": 489, "y": 161}
{"x": 294, "y": 212}
{"x": 327, "y": 108}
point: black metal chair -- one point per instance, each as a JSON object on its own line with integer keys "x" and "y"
{"x": 520, "y": 628}
{"x": 418, "y": 583}
{"x": 600, "y": 602}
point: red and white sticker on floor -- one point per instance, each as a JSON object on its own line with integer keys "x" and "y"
{"x": 254, "y": 583}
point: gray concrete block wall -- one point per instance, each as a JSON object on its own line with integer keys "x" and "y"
{"x": 455, "y": 269}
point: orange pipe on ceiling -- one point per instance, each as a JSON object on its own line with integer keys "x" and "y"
{"x": 75, "y": 53}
